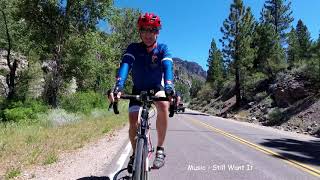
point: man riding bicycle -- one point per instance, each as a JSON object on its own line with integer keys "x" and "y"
{"x": 152, "y": 70}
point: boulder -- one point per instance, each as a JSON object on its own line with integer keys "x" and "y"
{"x": 288, "y": 89}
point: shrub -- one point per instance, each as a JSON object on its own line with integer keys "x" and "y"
{"x": 274, "y": 116}
{"x": 260, "y": 96}
{"x": 308, "y": 68}
{"x": 206, "y": 92}
{"x": 18, "y": 114}
{"x": 253, "y": 84}
{"x": 23, "y": 111}
{"x": 227, "y": 90}
{"x": 83, "y": 102}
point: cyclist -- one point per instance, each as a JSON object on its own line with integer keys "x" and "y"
{"x": 178, "y": 100}
{"x": 152, "y": 70}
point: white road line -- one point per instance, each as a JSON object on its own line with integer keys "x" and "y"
{"x": 122, "y": 159}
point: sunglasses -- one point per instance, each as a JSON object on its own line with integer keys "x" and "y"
{"x": 148, "y": 30}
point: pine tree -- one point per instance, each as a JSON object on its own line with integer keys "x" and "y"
{"x": 215, "y": 67}
{"x": 312, "y": 69}
{"x": 317, "y": 49}
{"x": 279, "y": 14}
{"x": 212, "y": 50}
{"x": 264, "y": 36}
{"x": 218, "y": 70}
{"x": 236, "y": 42}
{"x": 270, "y": 56}
{"x": 293, "y": 47}
{"x": 303, "y": 36}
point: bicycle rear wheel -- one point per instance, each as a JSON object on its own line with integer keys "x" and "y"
{"x": 139, "y": 165}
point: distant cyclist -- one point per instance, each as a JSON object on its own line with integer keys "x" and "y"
{"x": 178, "y": 98}
{"x": 152, "y": 70}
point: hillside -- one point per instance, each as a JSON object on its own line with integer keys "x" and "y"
{"x": 185, "y": 71}
{"x": 189, "y": 77}
{"x": 291, "y": 102}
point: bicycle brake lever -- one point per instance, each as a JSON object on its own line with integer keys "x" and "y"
{"x": 110, "y": 106}
{"x": 115, "y": 107}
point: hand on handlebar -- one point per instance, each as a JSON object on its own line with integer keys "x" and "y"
{"x": 170, "y": 94}
{"x": 169, "y": 91}
{"x": 113, "y": 97}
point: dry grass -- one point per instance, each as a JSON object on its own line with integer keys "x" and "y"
{"x": 242, "y": 115}
{"x": 40, "y": 144}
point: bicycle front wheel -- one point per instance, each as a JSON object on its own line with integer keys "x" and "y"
{"x": 145, "y": 168}
{"x": 138, "y": 171}
{"x": 146, "y": 175}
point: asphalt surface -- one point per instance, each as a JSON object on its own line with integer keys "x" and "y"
{"x": 199, "y": 147}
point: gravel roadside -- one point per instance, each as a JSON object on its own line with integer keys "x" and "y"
{"x": 88, "y": 161}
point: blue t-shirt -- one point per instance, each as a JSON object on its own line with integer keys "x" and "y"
{"x": 149, "y": 69}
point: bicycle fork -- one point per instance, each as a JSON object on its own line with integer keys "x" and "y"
{"x": 150, "y": 150}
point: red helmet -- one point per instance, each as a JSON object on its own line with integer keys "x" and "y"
{"x": 149, "y": 19}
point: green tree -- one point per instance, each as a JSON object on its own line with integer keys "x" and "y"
{"x": 52, "y": 24}
{"x": 94, "y": 57}
{"x": 237, "y": 39}
{"x": 304, "y": 40}
{"x": 270, "y": 56}
{"x": 195, "y": 87}
{"x": 183, "y": 89}
{"x": 212, "y": 50}
{"x": 311, "y": 68}
{"x": 318, "y": 56}
{"x": 316, "y": 52}
{"x": 293, "y": 48}
{"x": 278, "y": 13}
{"x": 215, "y": 67}
{"x": 12, "y": 39}
{"x": 11, "y": 76}
{"x": 82, "y": 59}
{"x": 123, "y": 27}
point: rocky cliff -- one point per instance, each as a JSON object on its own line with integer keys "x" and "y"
{"x": 185, "y": 71}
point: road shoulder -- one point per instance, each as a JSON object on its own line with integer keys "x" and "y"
{"x": 91, "y": 160}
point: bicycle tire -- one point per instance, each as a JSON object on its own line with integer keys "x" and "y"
{"x": 146, "y": 175}
{"x": 139, "y": 160}
{"x": 115, "y": 177}
{"x": 145, "y": 159}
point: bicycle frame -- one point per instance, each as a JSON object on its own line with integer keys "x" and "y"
{"x": 143, "y": 132}
{"x": 144, "y": 148}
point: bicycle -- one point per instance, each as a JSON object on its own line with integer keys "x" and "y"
{"x": 144, "y": 148}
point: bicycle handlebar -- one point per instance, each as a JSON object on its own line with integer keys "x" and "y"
{"x": 141, "y": 97}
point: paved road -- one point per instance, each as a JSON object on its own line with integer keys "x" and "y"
{"x": 205, "y": 147}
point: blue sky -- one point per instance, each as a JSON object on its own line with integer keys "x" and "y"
{"x": 189, "y": 26}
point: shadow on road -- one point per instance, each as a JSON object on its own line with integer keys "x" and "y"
{"x": 95, "y": 178}
{"x": 302, "y": 151}
{"x": 201, "y": 114}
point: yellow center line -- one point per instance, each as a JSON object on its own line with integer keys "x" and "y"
{"x": 294, "y": 163}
